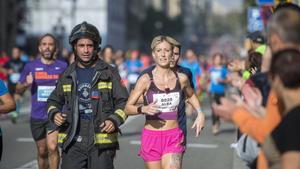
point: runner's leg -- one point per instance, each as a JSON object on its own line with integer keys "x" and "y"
{"x": 38, "y": 130}
{"x": 172, "y": 161}
{"x": 153, "y": 165}
{"x": 42, "y": 153}
{"x": 53, "y": 150}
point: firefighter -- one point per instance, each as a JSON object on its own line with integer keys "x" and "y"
{"x": 93, "y": 98}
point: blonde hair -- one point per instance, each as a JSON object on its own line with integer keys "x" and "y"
{"x": 159, "y": 39}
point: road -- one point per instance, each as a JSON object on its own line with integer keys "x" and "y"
{"x": 205, "y": 152}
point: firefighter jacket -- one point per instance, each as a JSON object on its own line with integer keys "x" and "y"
{"x": 108, "y": 105}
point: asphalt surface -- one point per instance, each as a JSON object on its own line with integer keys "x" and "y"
{"x": 205, "y": 152}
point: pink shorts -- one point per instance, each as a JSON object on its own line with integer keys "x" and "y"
{"x": 157, "y": 143}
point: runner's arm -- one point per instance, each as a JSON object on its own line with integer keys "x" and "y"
{"x": 141, "y": 99}
{"x": 21, "y": 87}
{"x": 193, "y": 100}
{"x": 136, "y": 93}
{"x": 189, "y": 92}
{"x": 7, "y": 103}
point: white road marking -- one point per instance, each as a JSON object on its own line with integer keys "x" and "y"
{"x": 196, "y": 145}
{"x": 23, "y": 139}
{"x": 135, "y": 142}
{"x": 192, "y": 145}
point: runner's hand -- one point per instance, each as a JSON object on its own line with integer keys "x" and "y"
{"x": 199, "y": 123}
{"x": 59, "y": 118}
{"x": 107, "y": 126}
{"x": 29, "y": 78}
{"x": 151, "y": 109}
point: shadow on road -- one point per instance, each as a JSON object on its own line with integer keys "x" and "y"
{"x": 227, "y": 131}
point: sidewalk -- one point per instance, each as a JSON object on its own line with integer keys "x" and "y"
{"x": 238, "y": 163}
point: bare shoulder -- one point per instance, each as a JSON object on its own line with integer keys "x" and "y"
{"x": 143, "y": 82}
{"x": 183, "y": 79}
{"x": 144, "y": 79}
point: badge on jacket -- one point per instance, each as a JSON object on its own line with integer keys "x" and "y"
{"x": 95, "y": 95}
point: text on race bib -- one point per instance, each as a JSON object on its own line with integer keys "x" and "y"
{"x": 44, "y": 92}
{"x": 167, "y": 102}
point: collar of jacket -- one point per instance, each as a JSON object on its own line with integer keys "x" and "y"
{"x": 100, "y": 65}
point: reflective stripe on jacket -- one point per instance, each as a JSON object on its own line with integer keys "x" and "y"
{"x": 108, "y": 102}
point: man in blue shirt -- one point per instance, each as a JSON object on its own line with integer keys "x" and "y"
{"x": 7, "y": 105}
{"x": 7, "y": 102}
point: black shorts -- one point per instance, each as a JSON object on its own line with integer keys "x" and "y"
{"x": 40, "y": 127}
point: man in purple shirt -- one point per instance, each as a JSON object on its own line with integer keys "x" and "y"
{"x": 42, "y": 75}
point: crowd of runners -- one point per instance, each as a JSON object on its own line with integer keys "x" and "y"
{"x": 79, "y": 99}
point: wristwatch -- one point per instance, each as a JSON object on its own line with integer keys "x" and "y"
{"x": 139, "y": 109}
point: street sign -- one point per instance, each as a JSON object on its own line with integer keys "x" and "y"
{"x": 254, "y": 20}
{"x": 265, "y": 2}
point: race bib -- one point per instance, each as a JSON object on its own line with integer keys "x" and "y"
{"x": 44, "y": 92}
{"x": 14, "y": 77}
{"x": 215, "y": 76}
{"x": 167, "y": 102}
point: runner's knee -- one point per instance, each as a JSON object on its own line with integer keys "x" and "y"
{"x": 42, "y": 151}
